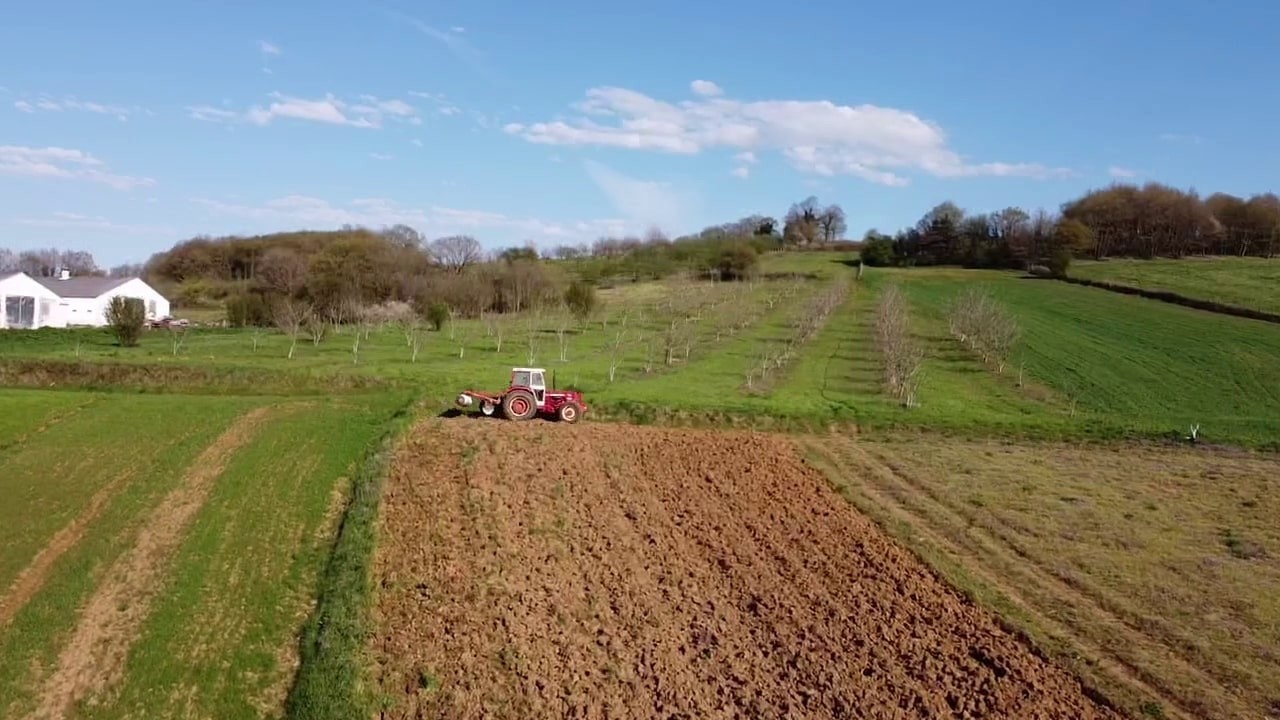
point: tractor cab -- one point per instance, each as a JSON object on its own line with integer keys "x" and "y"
{"x": 533, "y": 378}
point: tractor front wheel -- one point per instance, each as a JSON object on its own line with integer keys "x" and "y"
{"x": 519, "y": 405}
{"x": 569, "y": 412}
{"x": 487, "y": 408}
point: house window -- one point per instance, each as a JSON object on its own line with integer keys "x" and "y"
{"x": 20, "y": 311}
{"x": 151, "y": 308}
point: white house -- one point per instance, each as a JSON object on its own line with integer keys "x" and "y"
{"x": 25, "y": 303}
{"x": 67, "y": 301}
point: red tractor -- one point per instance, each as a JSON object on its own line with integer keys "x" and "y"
{"x": 526, "y": 397}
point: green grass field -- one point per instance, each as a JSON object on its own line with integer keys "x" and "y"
{"x": 1248, "y": 282}
{"x": 1092, "y": 363}
{"x": 110, "y": 606}
{"x": 253, "y": 602}
{"x": 1150, "y": 365}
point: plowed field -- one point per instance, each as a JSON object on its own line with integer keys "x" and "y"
{"x": 544, "y": 570}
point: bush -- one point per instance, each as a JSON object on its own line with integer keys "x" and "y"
{"x": 1059, "y": 261}
{"x": 437, "y": 315}
{"x": 877, "y": 251}
{"x": 248, "y": 310}
{"x": 737, "y": 261}
{"x": 581, "y": 299}
{"x": 126, "y": 317}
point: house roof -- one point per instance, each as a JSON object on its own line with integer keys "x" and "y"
{"x": 82, "y": 287}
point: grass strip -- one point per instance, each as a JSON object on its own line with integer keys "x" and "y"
{"x": 331, "y": 680}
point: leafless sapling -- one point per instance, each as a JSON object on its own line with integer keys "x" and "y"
{"x": 291, "y": 316}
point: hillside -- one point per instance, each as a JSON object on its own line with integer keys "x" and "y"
{"x": 1247, "y": 282}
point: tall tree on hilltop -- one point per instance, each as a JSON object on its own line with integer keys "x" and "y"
{"x": 456, "y": 252}
{"x": 831, "y": 221}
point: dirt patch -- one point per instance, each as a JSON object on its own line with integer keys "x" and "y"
{"x": 94, "y": 657}
{"x": 545, "y": 570}
{"x": 33, "y": 576}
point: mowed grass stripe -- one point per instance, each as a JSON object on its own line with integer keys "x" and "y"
{"x": 1128, "y": 360}
{"x": 50, "y": 482}
{"x": 176, "y": 430}
{"x": 92, "y": 660}
{"x": 221, "y": 642}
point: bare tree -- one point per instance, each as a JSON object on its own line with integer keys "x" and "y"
{"x": 412, "y": 327}
{"x": 283, "y": 270}
{"x": 317, "y": 327}
{"x": 8, "y": 260}
{"x": 495, "y": 326}
{"x": 903, "y": 356}
{"x": 615, "y": 347}
{"x": 291, "y": 316}
{"x": 363, "y": 321}
{"x": 563, "y": 319}
{"x": 456, "y": 252}
{"x": 981, "y": 324}
{"x": 532, "y": 330}
{"x": 831, "y": 222}
{"x": 177, "y": 336}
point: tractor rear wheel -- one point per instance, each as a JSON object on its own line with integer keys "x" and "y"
{"x": 519, "y": 405}
{"x": 569, "y": 412}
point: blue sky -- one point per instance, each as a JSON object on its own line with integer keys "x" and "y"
{"x": 127, "y": 126}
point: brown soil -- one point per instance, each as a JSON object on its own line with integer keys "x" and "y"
{"x": 94, "y": 657}
{"x": 543, "y": 570}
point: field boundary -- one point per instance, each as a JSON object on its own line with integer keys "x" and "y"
{"x": 107, "y": 376}
{"x": 332, "y": 679}
{"x": 1176, "y": 299}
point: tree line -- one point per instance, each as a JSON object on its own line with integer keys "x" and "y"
{"x": 334, "y": 272}
{"x": 50, "y": 262}
{"x": 1122, "y": 220}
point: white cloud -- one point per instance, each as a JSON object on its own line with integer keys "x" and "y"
{"x": 443, "y": 106}
{"x": 743, "y": 172}
{"x": 747, "y": 157}
{"x": 646, "y": 202}
{"x": 416, "y": 142}
{"x": 705, "y": 88}
{"x": 1122, "y": 172}
{"x": 452, "y": 40}
{"x": 381, "y": 156}
{"x": 46, "y": 103}
{"x": 294, "y": 211}
{"x": 212, "y": 114}
{"x": 369, "y": 112}
{"x": 818, "y": 137}
{"x": 458, "y": 29}
{"x": 76, "y": 221}
{"x": 268, "y": 48}
{"x": 63, "y": 163}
